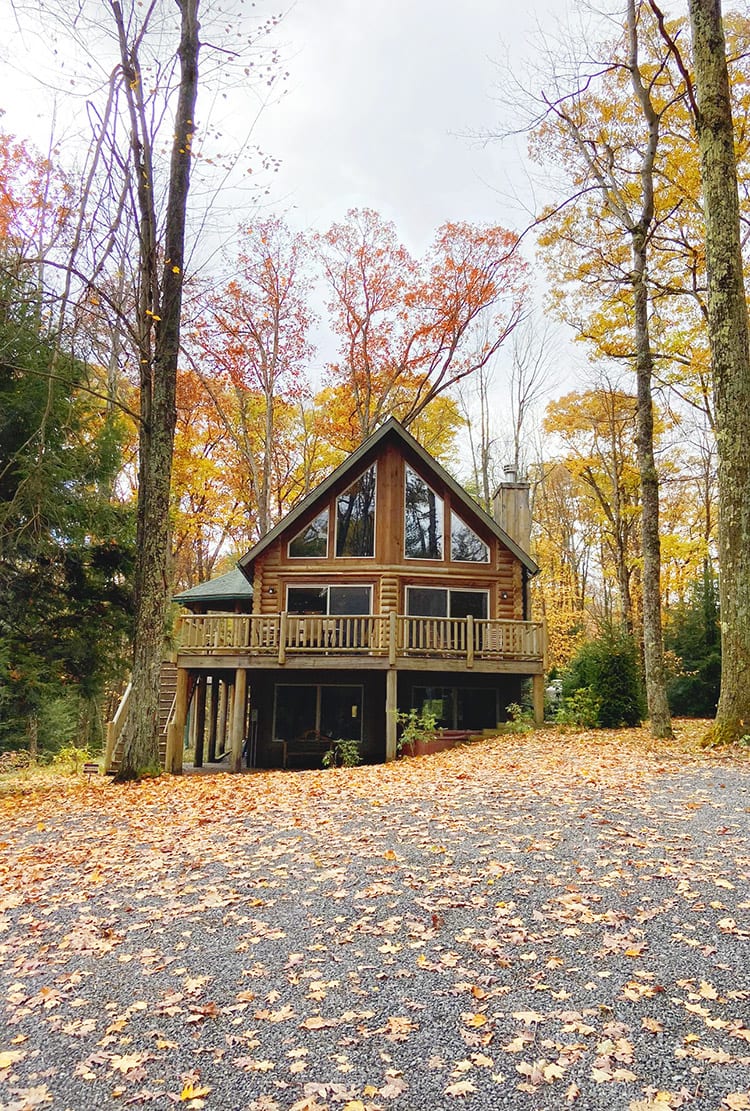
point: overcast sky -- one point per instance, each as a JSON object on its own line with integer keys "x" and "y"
{"x": 381, "y": 99}
{"x": 382, "y": 95}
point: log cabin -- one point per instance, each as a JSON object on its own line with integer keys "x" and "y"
{"x": 387, "y": 588}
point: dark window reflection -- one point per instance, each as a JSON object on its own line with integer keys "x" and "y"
{"x": 312, "y": 540}
{"x": 355, "y": 517}
{"x": 466, "y": 546}
{"x": 423, "y": 524}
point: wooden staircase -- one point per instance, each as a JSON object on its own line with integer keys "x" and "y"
{"x": 167, "y": 691}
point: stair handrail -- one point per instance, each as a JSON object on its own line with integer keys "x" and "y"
{"x": 115, "y": 727}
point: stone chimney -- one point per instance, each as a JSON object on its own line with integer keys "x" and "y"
{"x": 512, "y": 509}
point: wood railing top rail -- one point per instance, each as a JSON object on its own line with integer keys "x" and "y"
{"x": 372, "y": 634}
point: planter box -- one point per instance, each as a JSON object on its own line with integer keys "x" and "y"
{"x": 427, "y": 748}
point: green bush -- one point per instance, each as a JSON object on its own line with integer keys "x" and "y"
{"x": 342, "y": 754}
{"x": 71, "y": 758}
{"x": 520, "y": 719}
{"x": 602, "y": 685}
{"x": 580, "y": 709}
{"x": 415, "y": 726}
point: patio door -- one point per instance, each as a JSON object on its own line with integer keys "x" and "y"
{"x": 333, "y": 711}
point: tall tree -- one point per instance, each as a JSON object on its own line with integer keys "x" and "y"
{"x": 613, "y": 175}
{"x": 728, "y": 333}
{"x": 597, "y": 431}
{"x": 133, "y": 206}
{"x": 65, "y": 547}
{"x": 253, "y": 337}
{"x": 161, "y": 269}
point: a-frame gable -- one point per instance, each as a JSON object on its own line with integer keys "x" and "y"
{"x": 348, "y": 471}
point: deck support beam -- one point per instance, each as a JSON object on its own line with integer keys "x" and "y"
{"x": 238, "y": 719}
{"x": 221, "y": 737}
{"x": 537, "y": 697}
{"x": 213, "y": 720}
{"x": 391, "y": 707}
{"x": 200, "y": 719}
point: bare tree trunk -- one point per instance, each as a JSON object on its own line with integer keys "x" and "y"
{"x": 728, "y": 333}
{"x": 653, "y": 642}
{"x": 160, "y": 305}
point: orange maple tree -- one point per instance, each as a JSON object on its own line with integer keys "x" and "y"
{"x": 252, "y": 340}
{"x": 410, "y": 329}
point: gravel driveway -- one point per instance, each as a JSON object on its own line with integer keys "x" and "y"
{"x": 531, "y": 922}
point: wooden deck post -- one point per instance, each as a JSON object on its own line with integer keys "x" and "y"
{"x": 537, "y": 697}
{"x": 238, "y": 719}
{"x": 221, "y": 737}
{"x": 200, "y": 719}
{"x": 469, "y": 640}
{"x": 392, "y": 637}
{"x": 391, "y": 706}
{"x": 282, "y": 637}
{"x": 176, "y": 730}
{"x": 213, "y": 720}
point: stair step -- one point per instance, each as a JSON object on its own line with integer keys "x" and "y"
{"x": 167, "y": 691}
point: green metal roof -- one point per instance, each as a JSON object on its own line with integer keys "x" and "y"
{"x": 223, "y": 588}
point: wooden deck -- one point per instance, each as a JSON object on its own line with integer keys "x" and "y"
{"x": 373, "y": 641}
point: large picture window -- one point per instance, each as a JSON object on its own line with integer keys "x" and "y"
{"x": 458, "y": 707}
{"x": 312, "y": 541}
{"x": 431, "y": 601}
{"x": 466, "y": 546}
{"x": 355, "y": 517}
{"x": 423, "y": 519}
{"x": 337, "y": 600}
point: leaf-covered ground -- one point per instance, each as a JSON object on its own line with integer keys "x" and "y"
{"x": 532, "y": 922}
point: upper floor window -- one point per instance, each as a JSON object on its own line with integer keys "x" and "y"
{"x": 435, "y": 601}
{"x": 355, "y": 517}
{"x": 312, "y": 540}
{"x": 329, "y": 599}
{"x": 466, "y": 546}
{"x": 423, "y": 519}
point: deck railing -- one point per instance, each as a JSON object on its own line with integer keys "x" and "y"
{"x": 285, "y": 634}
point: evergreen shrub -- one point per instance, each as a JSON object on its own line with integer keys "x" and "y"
{"x": 602, "y": 684}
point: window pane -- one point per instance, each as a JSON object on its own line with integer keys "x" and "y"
{"x": 423, "y": 523}
{"x": 355, "y": 517}
{"x": 426, "y": 602}
{"x": 477, "y": 708}
{"x": 465, "y": 602}
{"x": 349, "y": 599}
{"x": 307, "y": 599}
{"x": 465, "y": 544}
{"x": 296, "y": 708}
{"x": 341, "y": 713}
{"x": 312, "y": 540}
{"x": 437, "y": 700}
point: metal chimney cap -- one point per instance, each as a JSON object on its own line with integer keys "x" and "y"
{"x": 510, "y": 472}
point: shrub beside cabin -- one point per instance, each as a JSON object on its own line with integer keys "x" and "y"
{"x": 386, "y": 588}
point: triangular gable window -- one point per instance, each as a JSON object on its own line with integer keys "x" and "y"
{"x": 466, "y": 546}
{"x": 312, "y": 541}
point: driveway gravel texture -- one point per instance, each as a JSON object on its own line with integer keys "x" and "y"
{"x": 531, "y": 922}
